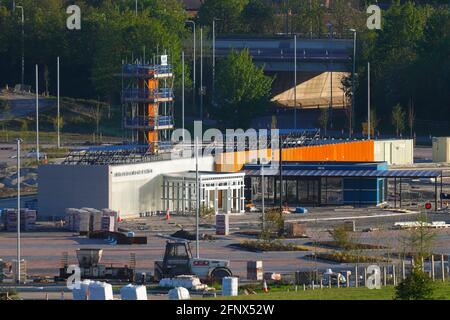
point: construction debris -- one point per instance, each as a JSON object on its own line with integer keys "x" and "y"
{"x": 419, "y": 224}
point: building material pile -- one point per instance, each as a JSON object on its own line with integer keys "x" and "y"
{"x": 420, "y": 224}
{"x": 186, "y": 281}
{"x": 27, "y": 219}
{"x": 222, "y": 224}
{"x": 86, "y": 220}
{"x": 255, "y": 270}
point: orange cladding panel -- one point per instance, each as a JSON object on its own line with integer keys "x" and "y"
{"x": 353, "y": 151}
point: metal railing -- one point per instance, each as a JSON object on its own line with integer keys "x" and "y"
{"x": 149, "y": 122}
{"x": 142, "y": 69}
{"x": 145, "y": 94}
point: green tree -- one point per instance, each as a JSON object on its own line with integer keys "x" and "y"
{"x": 420, "y": 240}
{"x": 416, "y": 286}
{"x": 228, "y": 12}
{"x": 393, "y": 53}
{"x": 341, "y": 236}
{"x": 243, "y": 89}
{"x": 430, "y": 93}
{"x": 259, "y": 16}
{"x": 398, "y": 119}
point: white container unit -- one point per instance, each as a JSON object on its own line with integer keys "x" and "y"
{"x": 133, "y": 292}
{"x": 394, "y": 152}
{"x": 230, "y": 286}
{"x": 441, "y": 149}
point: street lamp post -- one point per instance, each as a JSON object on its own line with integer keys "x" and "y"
{"x": 201, "y": 74}
{"x": 262, "y": 198}
{"x": 182, "y": 92}
{"x": 23, "y": 45}
{"x": 18, "y": 211}
{"x": 37, "y": 113}
{"x": 330, "y": 27}
{"x": 368, "y": 100}
{"x": 194, "y": 70}
{"x": 197, "y": 192}
{"x": 353, "y": 83}
{"x": 58, "y": 106}
{"x": 214, "y": 60}
{"x": 295, "y": 81}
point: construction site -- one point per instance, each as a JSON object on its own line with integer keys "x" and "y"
{"x": 224, "y": 150}
{"x": 299, "y": 211}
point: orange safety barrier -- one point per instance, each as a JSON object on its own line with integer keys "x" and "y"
{"x": 341, "y": 151}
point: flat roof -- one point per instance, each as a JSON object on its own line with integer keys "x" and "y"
{"x": 203, "y": 174}
{"x": 349, "y": 173}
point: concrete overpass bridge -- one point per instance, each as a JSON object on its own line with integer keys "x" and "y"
{"x": 277, "y": 54}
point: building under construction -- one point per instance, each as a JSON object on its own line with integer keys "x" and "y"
{"x": 148, "y": 103}
{"x": 143, "y": 176}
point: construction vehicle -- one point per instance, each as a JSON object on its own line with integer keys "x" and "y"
{"x": 178, "y": 260}
{"x": 91, "y": 268}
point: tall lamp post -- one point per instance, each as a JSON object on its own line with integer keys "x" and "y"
{"x": 194, "y": 70}
{"x": 23, "y": 45}
{"x": 197, "y": 193}
{"x": 368, "y": 100}
{"x": 182, "y": 92}
{"x": 58, "y": 106}
{"x": 352, "y": 119}
{"x": 37, "y": 113}
{"x": 295, "y": 81}
{"x": 214, "y": 60}
{"x": 330, "y": 28}
{"x": 201, "y": 74}
{"x": 18, "y": 210}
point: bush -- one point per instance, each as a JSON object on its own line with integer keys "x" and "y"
{"x": 275, "y": 245}
{"x": 274, "y": 224}
{"x": 344, "y": 257}
{"x": 341, "y": 236}
{"x": 417, "y": 286}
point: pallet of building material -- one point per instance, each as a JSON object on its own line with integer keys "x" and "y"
{"x": 27, "y": 219}
{"x": 108, "y": 223}
{"x": 222, "y": 224}
{"x": 111, "y": 213}
{"x": 85, "y": 218}
{"x": 255, "y": 270}
{"x": 96, "y": 219}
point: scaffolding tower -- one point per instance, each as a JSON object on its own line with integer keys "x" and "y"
{"x": 148, "y": 103}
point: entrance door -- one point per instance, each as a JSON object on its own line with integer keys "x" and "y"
{"x": 309, "y": 192}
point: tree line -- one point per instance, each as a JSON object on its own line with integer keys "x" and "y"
{"x": 409, "y": 56}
